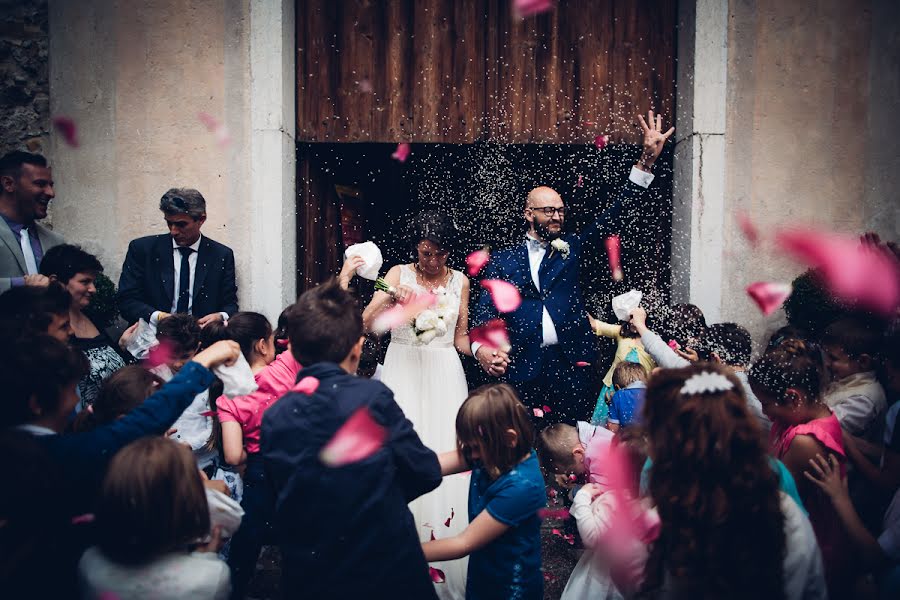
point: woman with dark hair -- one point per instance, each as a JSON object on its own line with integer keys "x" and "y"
{"x": 77, "y": 270}
{"x": 726, "y": 529}
{"x": 423, "y": 370}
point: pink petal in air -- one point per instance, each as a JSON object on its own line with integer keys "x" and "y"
{"x": 401, "y": 153}
{"x": 748, "y": 228}
{"x": 853, "y": 273}
{"x": 217, "y": 128}
{"x": 307, "y": 385}
{"x": 506, "y": 296}
{"x": 67, "y": 129}
{"x": 613, "y": 251}
{"x": 538, "y": 413}
{"x": 450, "y": 518}
{"x": 82, "y": 519}
{"x": 432, "y": 535}
{"x": 601, "y": 141}
{"x": 209, "y": 413}
{"x": 159, "y": 354}
{"x": 674, "y": 345}
{"x": 437, "y": 576}
{"x": 476, "y": 261}
{"x": 358, "y": 438}
{"x": 769, "y": 296}
{"x": 546, "y": 409}
{"x": 401, "y": 314}
{"x": 492, "y": 334}
{"x": 582, "y": 363}
{"x": 580, "y": 181}
{"x": 528, "y": 8}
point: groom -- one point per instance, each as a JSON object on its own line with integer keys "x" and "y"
{"x": 549, "y": 332}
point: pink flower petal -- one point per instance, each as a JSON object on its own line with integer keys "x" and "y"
{"x": 769, "y": 296}
{"x": 217, "y": 128}
{"x": 553, "y": 493}
{"x": 358, "y": 438}
{"x": 601, "y": 141}
{"x": 402, "y": 314}
{"x": 492, "y": 334}
{"x": 209, "y": 413}
{"x": 674, "y": 345}
{"x": 614, "y": 253}
{"x": 67, "y": 129}
{"x": 159, "y": 354}
{"x": 506, "y": 296}
{"x": 307, "y": 385}
{"x": 554, "y": 513}
{"x": 852, "y": 273}
{"x": 538, "y": 413}
{"x": 401, "y": 153}
{"x": 450, "y": 518}
{"x": 529, "y": 8}
{"x": 748, "y": 228}
{"x": 437, "y": 576}
{"x": 82, "y": 519}
{"x": 432, "y": 535}
{"x": 580, "y": 181}
{"x": 581, "y": 363}
{"x": 546, "y": 409}
{"x": 282, "y": 343}
{"x": 476, "y": 261}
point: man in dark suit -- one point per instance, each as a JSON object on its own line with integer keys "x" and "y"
{"x": 181, "y": 271}
{"x": 26, "y": 189}
{"x": 549, "y": 332}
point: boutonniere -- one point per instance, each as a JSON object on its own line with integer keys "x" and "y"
{"x": 560, "y": 245}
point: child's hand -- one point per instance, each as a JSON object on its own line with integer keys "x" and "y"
{"x": 638, "y": 318}
{"x": 826, "y": 474}
{"x": 687, "y": 354}
{"x": 593, "y": 489}
{"x": 594, "y": 322}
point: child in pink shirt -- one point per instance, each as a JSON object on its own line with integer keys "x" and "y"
{"x": 241, "y": 419}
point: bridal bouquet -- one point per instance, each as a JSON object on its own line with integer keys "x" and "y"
{"x": 432, "y": 322}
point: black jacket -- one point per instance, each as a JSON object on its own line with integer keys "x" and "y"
{"x": 346, "y": 532}
{"x": 147, "y": 282}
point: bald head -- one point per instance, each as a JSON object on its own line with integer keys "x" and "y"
{"x": 541, "y": 196}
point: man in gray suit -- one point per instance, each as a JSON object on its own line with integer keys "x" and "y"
{"x": 26, "y": 189}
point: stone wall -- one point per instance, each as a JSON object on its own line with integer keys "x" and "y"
{"x": 24, "y": 75}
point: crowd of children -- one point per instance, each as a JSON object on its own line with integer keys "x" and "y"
{"x": 701, "y": 474}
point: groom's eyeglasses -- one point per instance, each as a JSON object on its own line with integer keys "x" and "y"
{"x": 549, "y": 210}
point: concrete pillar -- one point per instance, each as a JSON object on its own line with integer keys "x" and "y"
{"x": 699, "y": 186}
{"x": 273, "y": 171}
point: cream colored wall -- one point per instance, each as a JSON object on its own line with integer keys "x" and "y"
{"x": 810, "y": 96}
{"x": 134, "y": 75}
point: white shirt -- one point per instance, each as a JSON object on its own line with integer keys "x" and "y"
{"x": 192, "y": 262}
{"x": 536, "y": 255}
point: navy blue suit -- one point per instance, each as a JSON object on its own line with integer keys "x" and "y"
{"x": 147, "y": 283}
{"x": 346, "y": 532}
{"x": 548, "y": 375}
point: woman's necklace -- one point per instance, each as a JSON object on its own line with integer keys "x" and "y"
{"x": 430, "y": 286}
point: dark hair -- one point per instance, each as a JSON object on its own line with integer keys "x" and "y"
{"x": 855, "y": 335}
{"x": 152, "y": 502}
{"x": 793, "y": 364}
{"x": 482, "y": 422}
{"x": 685, "y": 321}
{"x": 787, "y": 332}
{"x": 183, "y": 201}
{"x": 120, "y": 393}
{"x": 324, "y": 324}
{"x": 627, "y": 372}
{"x": 67, "y": 260}
{"x": 730, "y": 342}
{"x": 181, "y": 330}
{"x": 28, "y": 310}
{"x": 436, "y": 228}
{"x": 11, "y": 162}
{"x": 713, "y": 484}
{"x": 36, "y": 367}
{"x": 245, "y": 328}
{"x": 281, "y": 332}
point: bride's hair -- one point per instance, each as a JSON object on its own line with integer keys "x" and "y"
{"x": 483, "y": 423}
{"x": 436, "y": 228}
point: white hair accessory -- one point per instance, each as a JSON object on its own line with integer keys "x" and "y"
{"x": 705, "y": 383}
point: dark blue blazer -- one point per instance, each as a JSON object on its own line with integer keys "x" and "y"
{"x": 84, "y": 457}
{"x": 346, "y": 532}
{"x": 560, "y": 292}
{"x": 147, "y": 282}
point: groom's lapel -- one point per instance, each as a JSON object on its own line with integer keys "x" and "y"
{"x": 523, "y": 269}
{"x": 551, "y": 269}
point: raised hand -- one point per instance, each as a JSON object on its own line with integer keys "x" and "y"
{"x": 348, "y": 271}
{"x": 654, "y": 139}
{"x": 826, "y": 474}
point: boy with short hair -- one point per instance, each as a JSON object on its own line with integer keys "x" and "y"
{"x": 630, "y": 381}
{"x": 566, "y": 451}
{"x": 344, "y": 531}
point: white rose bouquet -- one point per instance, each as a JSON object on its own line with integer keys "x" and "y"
{"x": 432, "y": 322}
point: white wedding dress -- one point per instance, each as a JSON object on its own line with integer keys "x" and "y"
{"x": 429, "y": 385}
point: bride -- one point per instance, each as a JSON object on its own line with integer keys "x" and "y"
{"x": 428, "y": 380}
